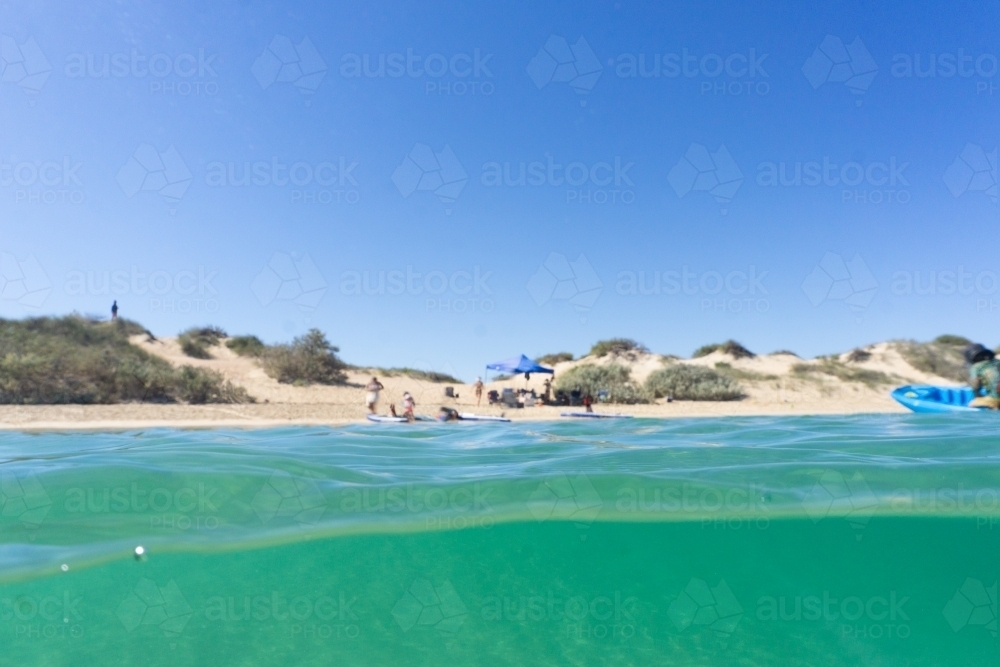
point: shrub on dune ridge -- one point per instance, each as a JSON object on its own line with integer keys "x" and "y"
{"x": 417, "y": 374}
{"x": 613, "y": 378}
{"x": 49, "y": 360}
{"x": 195, "y": 341}
{"x": 952, "y": 339}
{"x": 685, "y": 382}
{"x": 941, "y": 359}
{"x": 246, "y": 346}
{"x": 553, "y": 359}
{"x": 730, "y": 347}
{"x": 309, "y": 359}
{"x": 602, "y": 348}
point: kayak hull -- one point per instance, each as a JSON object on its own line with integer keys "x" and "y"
{"x": 929, "y": 399}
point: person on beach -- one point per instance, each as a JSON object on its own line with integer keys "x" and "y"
{"x": 408, "y": 405}
{"x": 371, "y": 396}
{"x": 587, "y": 402}
{"x": 114, "y": 310}
{"x": 984, "y": 376}
{"x": 478, "y": 387}
{"x": 448, "y": 414}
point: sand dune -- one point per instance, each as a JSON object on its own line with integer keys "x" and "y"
{"x": 775, "y": 384}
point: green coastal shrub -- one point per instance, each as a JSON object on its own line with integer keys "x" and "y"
{"x": 309, "y": 359}
{"x": 417, "y": 374}
{"x": 602, "y": 348}
{"x": 553, "y": 359}
{"x": 951, "y": 339}
{"x": 200, "y": 385}
{"x": 246, "y": 346}
{"x": 195, "y": 341}
{"x": 684, "y": 382}
{"x": 613, "y": 378}
{"x": 730, "y": 347}
{"x": 942, "y": 359}
{"x": 59, "y": 360}
{"x": 841, "y": 371}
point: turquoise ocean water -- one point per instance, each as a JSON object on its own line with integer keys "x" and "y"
{"x": 764, "y": 541}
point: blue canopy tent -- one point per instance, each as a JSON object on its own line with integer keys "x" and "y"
{"x": 518, "y": 365}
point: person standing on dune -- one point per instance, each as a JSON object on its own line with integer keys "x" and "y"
{"x": 114, "y": 310}
{"x": 371, "y": 397}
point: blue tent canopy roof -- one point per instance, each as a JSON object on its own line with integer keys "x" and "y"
{"x": 520, "y": 364}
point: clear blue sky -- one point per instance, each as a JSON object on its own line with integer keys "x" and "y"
{"x": 659, "y": 141}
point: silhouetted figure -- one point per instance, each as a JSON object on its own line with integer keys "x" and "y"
{"x": 114, "y": 310}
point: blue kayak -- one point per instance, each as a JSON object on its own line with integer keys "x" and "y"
{"x": 931, "y": 399}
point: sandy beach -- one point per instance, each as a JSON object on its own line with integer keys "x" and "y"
{"x": 774, "y": 385}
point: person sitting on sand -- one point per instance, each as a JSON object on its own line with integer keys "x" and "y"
{"x": 408, "y": 405}
{"x": 448, "y": 414}
{"x": 371, "y": 397}
{"x": 984, "y": 376}
{"x": 478, "y": 387}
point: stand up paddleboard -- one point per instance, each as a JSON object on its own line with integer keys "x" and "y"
{"x": 469, "y": 417}
{"x": 386, "y": 418}
{"x": 396, "y": 420}
{"x": 424, "y": 418}
{"x": 594, "y": 415}
{"x": 930, "y": 399}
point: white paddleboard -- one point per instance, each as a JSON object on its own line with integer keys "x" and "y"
{"x": 594, "y": 415}
{"x": 386, "y": 418}
{"x": 468, "y": 416}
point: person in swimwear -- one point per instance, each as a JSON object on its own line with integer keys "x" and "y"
{"x": 371, "y": 396}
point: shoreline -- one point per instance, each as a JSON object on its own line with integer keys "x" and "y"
{"x": 140, "y": 416}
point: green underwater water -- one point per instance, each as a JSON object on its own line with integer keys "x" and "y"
{"x": 794, "y": 541}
